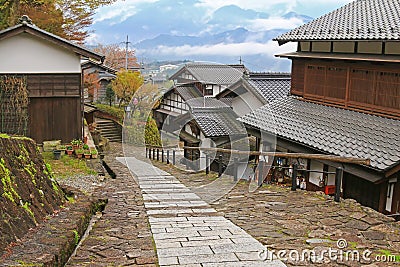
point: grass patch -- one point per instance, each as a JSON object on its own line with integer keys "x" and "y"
{"x": 76, "y": 237}
{"x": 115, "y": 111}
{"x": 67, "y": 165}
{"x": 388, "y": 256}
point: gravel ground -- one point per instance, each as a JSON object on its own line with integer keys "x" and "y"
{"x": 85, "y": 183}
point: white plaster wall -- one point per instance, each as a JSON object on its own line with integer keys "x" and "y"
{"x": 331, "y": 177}
{"x": 321, "y": 46}
{"x": 370, "y": 47}
{"x": 205, "y": 143}
{"x": 315, "y": 176}
{"x": 25, "y": 53}
{"x": 343, "y": 47}
{"x": 245, "y": 103}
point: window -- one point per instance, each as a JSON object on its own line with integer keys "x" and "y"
{"x": 315, "y": 80}
{"x": 389, "y": 196}
{"x": 362, "y": 86}
{"x": 335, "y": 83}
{"x": 388, "y": 89}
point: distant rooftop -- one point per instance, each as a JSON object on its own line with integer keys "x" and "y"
{"x": 359, "y": 20}
{"x": 267, "y": 86}
{"x": 212, "y": 73}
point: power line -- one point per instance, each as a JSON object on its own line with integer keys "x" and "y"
{"x": 126, "y": 52}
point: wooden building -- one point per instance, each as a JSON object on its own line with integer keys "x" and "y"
{"x": 345, "y": 100}
{"x": 211, "y": 78}
{"x": 49, "y": 70}
{"x": 97, "y": 77}
{"x": 254, "y": 90}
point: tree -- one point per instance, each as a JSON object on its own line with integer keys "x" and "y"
{"x": 126, "y": 84}
{"x": 115, "y": 56}
{"x": 110, "y": 94}
{"x": 66, "y": 18}
{"x": 147, "y": 96}
{"x": 91, "y": 82}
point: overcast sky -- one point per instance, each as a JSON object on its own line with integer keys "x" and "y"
{"x": 313, "y": 8}
{"x": 107, "y": 31}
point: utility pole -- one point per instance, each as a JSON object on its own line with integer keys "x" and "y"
{"x": 126, "y": 52}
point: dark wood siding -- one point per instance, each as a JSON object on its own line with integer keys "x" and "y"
{"x": 50, "y": 85}
{"x": 367, "y": 87}
{"x": 366, "y": 193}
{"x": 53, "y": 118}
{"x": 298, "y": 77}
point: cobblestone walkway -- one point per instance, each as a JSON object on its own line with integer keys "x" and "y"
{"x": 186, "y": 230}
{"x": 121, "y": 236}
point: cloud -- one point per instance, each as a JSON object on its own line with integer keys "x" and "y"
{"x": 274, "y": 23}
{"x": 318, "y": 7}
{"x": 239, "y": 49}
{"x": 120, "y": 9}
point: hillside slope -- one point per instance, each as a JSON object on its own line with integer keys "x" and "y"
{"x": 28, "y": 192}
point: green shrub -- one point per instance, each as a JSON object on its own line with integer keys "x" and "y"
{"x": 112, "y": 110}
{"x": 140, "y": 133}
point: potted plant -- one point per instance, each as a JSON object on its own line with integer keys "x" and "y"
{"x": 57, "y": 154}
{"x": 94, "y": 153}
{"x": 76, "y": 143}
{"x": 87, "y": 154}
{"x": 69, "y": 150}
{"x": 79, "y": 153}
{"x": 85, "y": 147}
{"x": 62, "y": 148}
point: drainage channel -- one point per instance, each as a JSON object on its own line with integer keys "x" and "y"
{"x": 100, "y": 206}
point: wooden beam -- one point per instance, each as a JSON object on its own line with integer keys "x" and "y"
{"x": 392, "y": 171}
{"x": 288, "y": 155}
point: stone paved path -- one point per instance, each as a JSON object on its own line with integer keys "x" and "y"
{"x": 186, "y": 230}
{"x": 121, "y": 236}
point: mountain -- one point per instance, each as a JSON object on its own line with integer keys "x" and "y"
{"x": 186, "y": 30}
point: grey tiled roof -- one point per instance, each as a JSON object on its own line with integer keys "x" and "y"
{"x": 331, "y": 130}
{"x": 205, "y": 102}
{"x": 27, "y": 27}
{"x": 359, "y": 20}
{"x": 270, "y": 86}
{"x": 209, "y": 73}
{"x": 216, "y": 122}
{"x": 188, "y": 92}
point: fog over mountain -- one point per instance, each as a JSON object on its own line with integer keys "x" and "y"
{"x": 179, "y": 30}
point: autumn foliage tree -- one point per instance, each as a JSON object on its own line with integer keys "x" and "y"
{"x": 66, "y": 18}
{"x": 115, "y": 56}
{"x": 126, "y": 84}
{"x": 91, "y": 82}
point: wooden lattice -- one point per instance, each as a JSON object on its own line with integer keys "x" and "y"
{"x": 14, "y": 102}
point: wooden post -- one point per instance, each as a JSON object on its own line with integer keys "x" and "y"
{"x": 260, "y": 173}
{"x": 294, "y": 177}
{"x": 207, "y": 165}
{"x": 158, "y": 154}
{"x": 149, "y": 153}
{"x": 154, "y": 153}
{"x": 235, "y": 169}
{"x": 338, "y": 183}
{"x": 146, "y": 152}
{"x": 173, "y": 157}
{"x": 219, "y": 165}
{"x": 167, "y": 156}
{"x": 162, "y": 155}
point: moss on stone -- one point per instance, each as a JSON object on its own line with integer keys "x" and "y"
{"x": 8, "y": 183}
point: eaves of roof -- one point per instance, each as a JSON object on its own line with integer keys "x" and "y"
{"x": 354, "y": 57}
{"x": 332, "y": 130}
{"x": 39, "y": 33}
{"x": 358, "y": 20}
